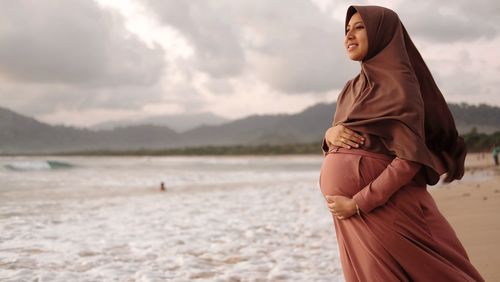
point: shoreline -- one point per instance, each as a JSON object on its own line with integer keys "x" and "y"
{"x": 473, "y": 209}
{"x": 118, "y": 225}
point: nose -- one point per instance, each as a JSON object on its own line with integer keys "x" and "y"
{"x": 349, "y": 34}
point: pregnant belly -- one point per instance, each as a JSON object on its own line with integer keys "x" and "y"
{"x": 340, "y": 175}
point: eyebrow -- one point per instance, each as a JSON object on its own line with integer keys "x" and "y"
{"x": 355, "y": 23}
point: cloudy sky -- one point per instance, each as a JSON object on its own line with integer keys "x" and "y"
{"x": 83, "y": 62}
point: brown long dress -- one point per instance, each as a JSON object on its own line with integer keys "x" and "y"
{"x": 411, "y": 140}
{"x": 400, "y": 235}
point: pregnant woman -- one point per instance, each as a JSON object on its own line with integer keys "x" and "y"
{"x": 392, "y": 135}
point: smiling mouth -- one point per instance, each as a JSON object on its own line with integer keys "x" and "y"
{"x": 351, "y": 46}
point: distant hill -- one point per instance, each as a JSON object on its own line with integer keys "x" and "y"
{"x": 484, "y": 118}
{"x": 306, "y": 126}
{"x": 179, "y": 123}
{"x": 21, "y": 134}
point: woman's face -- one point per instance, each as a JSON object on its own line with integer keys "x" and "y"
{"x": 356, "y": 38}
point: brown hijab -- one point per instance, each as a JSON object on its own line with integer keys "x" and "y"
{"x": 395, "y": 98}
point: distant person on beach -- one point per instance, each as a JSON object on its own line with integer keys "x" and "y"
{"x": 162, "y": 187}
{"x": 392, "y": 134}
{"x": 496, "y": 151}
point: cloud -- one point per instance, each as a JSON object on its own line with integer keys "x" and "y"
{"x": 73, "y": 55}
{"x": 451, "y": 21}
{"x": 209, "y": 27}
{"x": 35, "y": 99}
{"x": 294, "y": 49}
{"x": 72, "y": 42}
{"x": 234, "y": 58}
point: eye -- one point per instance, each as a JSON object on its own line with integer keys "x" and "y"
{"x": 360, "y": 27}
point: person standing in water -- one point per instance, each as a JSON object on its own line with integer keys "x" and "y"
{"x": 392, "y": 134}
{"x": 495, "y": 152}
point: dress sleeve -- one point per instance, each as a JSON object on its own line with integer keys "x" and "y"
{"x": 397, "y": 174}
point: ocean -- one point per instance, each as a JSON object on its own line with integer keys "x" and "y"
{"x": 238, "y": 218}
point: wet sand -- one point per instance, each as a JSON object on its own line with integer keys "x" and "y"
{"x": 473, "y": 209}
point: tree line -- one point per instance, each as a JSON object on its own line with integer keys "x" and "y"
{"x": 475, "y": 142}
{"x": 481, "y": 142}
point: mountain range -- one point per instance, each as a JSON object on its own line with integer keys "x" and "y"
{"x": 21, "y": 134}
{"x": 179, "y": 122}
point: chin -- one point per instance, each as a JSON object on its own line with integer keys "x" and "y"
{"x": 355, "y": 58}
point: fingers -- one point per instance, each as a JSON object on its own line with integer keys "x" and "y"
{"x": 331, "y": 207}
{"x": 344, "y": 142}
{"x": 340, "y": 214}
{"x": 354, "y": 136}
{"x": 346, "y": 139}
{"x": 336, "y": 208}
{"x": 351, "y": 137}
{"x": 343, "y": 137}
{"x": 335, "y": 213}
{"x": 340, "y": 143}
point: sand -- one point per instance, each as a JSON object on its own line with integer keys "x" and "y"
{"x": 473, "y": 209}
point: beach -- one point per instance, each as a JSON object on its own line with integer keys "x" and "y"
{"x": 473, "y": 209}
{"x": 222, "y": 219}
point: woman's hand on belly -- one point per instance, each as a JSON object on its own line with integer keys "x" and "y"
{"x": 341, "y": 207}
{"x": 342, "y": 136}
